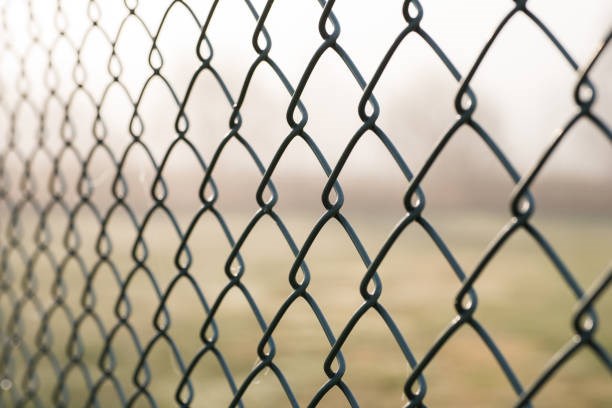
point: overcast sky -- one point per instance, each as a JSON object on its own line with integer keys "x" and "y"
{"x": 524, "y": 86}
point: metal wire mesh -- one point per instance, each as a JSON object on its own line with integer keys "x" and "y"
{"x": 47, "y": 321}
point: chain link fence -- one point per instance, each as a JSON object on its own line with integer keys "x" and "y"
{"x": 106, "y": 294}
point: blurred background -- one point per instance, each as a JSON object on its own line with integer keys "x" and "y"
{"x": 74, "y": 72}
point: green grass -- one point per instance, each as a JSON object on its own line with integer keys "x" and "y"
{"x": 523, "y": 303}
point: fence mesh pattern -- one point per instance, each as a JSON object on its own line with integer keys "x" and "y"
{"x": 63, "y": 344}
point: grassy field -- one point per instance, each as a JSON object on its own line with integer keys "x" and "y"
{"x": 523, "y": 303}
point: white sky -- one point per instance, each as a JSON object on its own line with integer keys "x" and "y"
{"x": 524, "y": 87}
